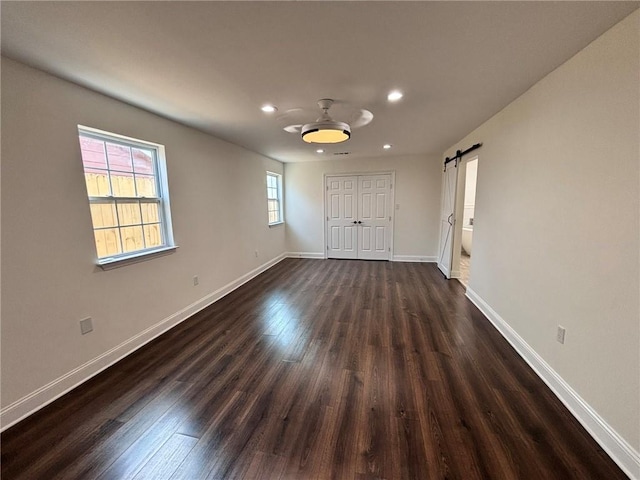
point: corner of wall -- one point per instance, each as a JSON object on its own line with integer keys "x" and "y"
{"x": 627, "y": 458}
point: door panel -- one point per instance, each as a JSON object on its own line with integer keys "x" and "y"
{"x": 334, "y": 211}
{"x": 349, "y": 211}
{"x": 350, "y": 243}
{"x": 447, "y": 219}
{"x": 335, "y": 238}
{"x": 366, "y": 239}
{"x": 381, "y": 203}
{"x": 342, "y": 240}
{"x": 366, "y": 206}
{"x": 380, "y": 239}
{"x": 374, "y": 196}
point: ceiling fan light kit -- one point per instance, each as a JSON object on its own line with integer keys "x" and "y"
{"x": 328, "y": 131}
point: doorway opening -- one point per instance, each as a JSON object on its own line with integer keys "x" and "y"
{"x": 468, "y": 213}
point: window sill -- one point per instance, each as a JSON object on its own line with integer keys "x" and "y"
{"x": 275, "y": 224}
{"x": 111, "y": 263}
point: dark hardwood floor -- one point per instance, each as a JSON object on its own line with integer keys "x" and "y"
{"x": 315, "y": 369}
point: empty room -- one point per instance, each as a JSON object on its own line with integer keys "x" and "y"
{"x": 320, "y": 240}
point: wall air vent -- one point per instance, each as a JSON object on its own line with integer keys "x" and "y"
{"x": 342, "y": 153}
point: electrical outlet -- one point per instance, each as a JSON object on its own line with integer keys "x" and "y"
{"x": 86, "y": 325}
{"x": 196, "y": 280}
{"x": 561, "y": 333}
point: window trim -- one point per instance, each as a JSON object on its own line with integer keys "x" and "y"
{"x": 278, "y": 177}
{"x": 109, "y": 263}
{"x": 162, "y": 198}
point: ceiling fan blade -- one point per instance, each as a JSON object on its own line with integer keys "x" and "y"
{"x": 297, "y": 115}
{"x": 361, "y": 118}
{"x": 293, "y": 128}
{"x": 294, "y": 119}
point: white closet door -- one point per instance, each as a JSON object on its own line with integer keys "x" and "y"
{"x": 342, "y": 224}
{"x": 447, "y": 218}
{"x": 374, "y": 217}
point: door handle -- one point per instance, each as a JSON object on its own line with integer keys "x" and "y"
{"x": 359, "y": 222}
{"x": 354, "y": 222}
{"x": 449, "y": 219}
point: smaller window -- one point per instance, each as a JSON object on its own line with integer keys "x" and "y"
{"x": 274, "y": 198}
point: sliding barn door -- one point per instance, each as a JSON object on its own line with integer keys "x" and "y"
{"x": 359, "y": 217}
{"x": 447, "y": 218}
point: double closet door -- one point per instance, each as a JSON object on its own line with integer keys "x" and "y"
{"x": 359, "y": 219}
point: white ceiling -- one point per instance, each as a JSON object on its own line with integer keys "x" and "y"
{"x": 211, "y": 65}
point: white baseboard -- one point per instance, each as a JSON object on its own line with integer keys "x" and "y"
{"x": 443, "y": 269}
{"x": 627, "y": 458}
{"x": 31, "y": 403}
{"x": 396, "y": 258}
{"x": 414, "y": 258}
{"x": 304, "y": 255}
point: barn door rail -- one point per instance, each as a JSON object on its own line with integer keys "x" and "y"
{"x": 459, "y": 154}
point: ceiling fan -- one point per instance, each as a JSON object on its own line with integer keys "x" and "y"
{"x": 325, "y": 129}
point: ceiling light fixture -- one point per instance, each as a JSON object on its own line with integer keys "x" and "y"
{"x": 394, "y": 96}
{"x": 386, "y": 146}
{"x": 326, "y": 132}
{"x": 269, "y": 108}
{"x": 319, "y": 150}
{"x": 325, "y": 129}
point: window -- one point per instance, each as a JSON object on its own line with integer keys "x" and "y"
{"x": 274, "y": 198}
{"x": 128, "y": 195}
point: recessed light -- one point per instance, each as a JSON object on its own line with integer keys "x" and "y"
{"x": 319, "y": 150}
{"x": 269, "y": 108}
{"x": 394, "y": 96}
{"x": 386, "y": 146}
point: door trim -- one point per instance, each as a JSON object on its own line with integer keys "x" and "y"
{"x": 326, "y": 176}
{"x": 459, "y": 214}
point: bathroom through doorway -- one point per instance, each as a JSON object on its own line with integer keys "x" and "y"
{"x": 470, "y": 178}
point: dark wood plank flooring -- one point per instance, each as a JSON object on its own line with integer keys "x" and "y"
{"x": 315, "y": 370}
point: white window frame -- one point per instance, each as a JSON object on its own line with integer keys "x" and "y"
{"x": 278, "y": 178}
{"x": 162, "y": 198}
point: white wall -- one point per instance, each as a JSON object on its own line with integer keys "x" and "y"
{"x": 556, "y": 232}
{"x": 49, "y": 277}
{"x": 417, "y": 192}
